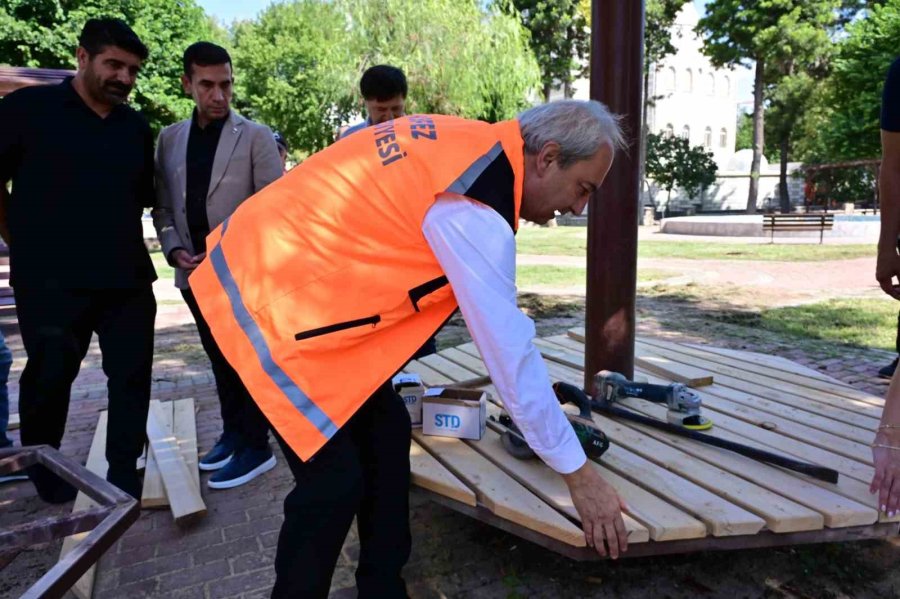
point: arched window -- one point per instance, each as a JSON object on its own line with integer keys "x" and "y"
{"x": 711, "y": 84}
{"x": 669, "y": 80}
{"x": 689, "y": 81}
{"x": 707, "y": 137}
{"x": 686, "y": 133}
{"x": 723, "y": 137}
{"x": 726, "y": 86}
{"x": 670, "y": 131}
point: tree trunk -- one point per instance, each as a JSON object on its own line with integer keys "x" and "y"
{"x": 567, "y": 89}
{"x": 783, "y": 193}
{"x": 547, "y": 88}
{"x": 758, "y": 123}
{"x": 642, "y": 162}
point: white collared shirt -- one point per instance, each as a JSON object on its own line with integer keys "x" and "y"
{"x": 477, "y": 250}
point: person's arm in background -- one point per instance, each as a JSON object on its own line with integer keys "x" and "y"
{"x": 266, "y": 160}
{"x": 888, "y": 265}
{"x": 476, "y": 249}
{"x": 886, "y": 448}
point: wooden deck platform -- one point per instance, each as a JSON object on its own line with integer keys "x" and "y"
{"x": 682, "y": 496}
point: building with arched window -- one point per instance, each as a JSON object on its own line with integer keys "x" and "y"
{"x": 703, "y": 100}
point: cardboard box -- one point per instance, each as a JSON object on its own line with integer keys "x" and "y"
{"x": 459, "y": 413}
{"x": 410, "y": 389}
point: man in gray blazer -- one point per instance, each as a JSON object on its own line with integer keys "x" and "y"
{"x": 205, "y": 167}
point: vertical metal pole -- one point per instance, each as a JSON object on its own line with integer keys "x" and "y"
{"x": 617, "y": 44}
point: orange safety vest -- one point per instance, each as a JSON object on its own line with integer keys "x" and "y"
{"x": 322, "y": 286}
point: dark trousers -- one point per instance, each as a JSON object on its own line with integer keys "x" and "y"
{"x": 56, "y": 327}
{"x": 362, "y": 471}
{"x": 241, "y": 416}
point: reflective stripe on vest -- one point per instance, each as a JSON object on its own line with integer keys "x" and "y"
{"x": 290, "y": 389}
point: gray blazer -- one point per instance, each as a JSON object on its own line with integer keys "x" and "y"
{"x": 246, "y": 161}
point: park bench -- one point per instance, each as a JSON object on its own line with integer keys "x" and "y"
{"x": 820, "y": 222}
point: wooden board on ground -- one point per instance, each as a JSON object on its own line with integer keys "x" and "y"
{"x": 184, "y": 425}
{"x": 96, "y": 463}
{"x": 428, "y": 473}
{"x": 183, "y": 493}
{"x": 499, "y": 492}
{"x": 153, "y": 495}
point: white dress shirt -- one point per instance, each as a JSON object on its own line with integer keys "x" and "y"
{"x": 477, "y": 250}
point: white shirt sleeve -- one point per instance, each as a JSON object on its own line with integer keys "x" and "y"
{"x": 477, "y": 251}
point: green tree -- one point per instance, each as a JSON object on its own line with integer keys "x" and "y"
{"x": 559, "y": 38}
{"x": 743, "y": 139}
{"x": 771, "y": 34}
{"x": 294, "y": 71}
{"x": 44, "y": 33}
{"x": 672, "y": 162}
{"x": 843, "y": 123}
{"x": 459, "y": 58}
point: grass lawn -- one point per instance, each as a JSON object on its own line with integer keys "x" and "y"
{"x": 572, "y": 241}
{"x": 163, "y": 270}
{"x": 859, "y": 322}
{"x": 529, "y": 275}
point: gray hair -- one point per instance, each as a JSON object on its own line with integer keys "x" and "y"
{"x": 580, "y": 127}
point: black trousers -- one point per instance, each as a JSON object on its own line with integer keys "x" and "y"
{"x": 362, "y": 471}
{"x": 56, "y": 327}
{"x": 241, "y": 416}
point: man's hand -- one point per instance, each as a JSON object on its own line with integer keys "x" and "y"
{"x": 888, "y": 267}
{"x": 600, "y": 510}
{"x": 183, "y": 259}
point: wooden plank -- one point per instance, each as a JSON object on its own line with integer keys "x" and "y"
{"x": 673, "y": 371}
{"x": 851, "y": 410}
{"x": 846, "y": 440}
{"x": 499, "y": 492}
{"x": 777, "y": 367}
{"x": 772, "y": 440}
{"x": 767, "y": 362}
{"x": 430, "y": 376}
{"x": 448, "y": 368}
{"x": 837, "y": 510}
{"x": 813, "y": 428}
{"x": 465, "y": 360}
{"x": 428, "y": 473}
{"x": 663, "y": 521}
{"x": 96, "y": 463}
{"x": 720, "y": 516}
{"x": 153, "y": 495}
{"x": 845, "y": 415}
{"x": 780, "y": 514}
{"x": 184, "y": 421}
{"x": 14, "y": 422}
{"x": 535, "y": 476}
{"x": 184, "y": 496}
{"x": 854, "y": 485}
